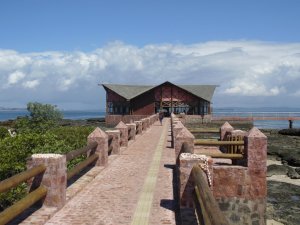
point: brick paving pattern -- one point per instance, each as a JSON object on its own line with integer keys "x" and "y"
{"x": 112, "y": 197}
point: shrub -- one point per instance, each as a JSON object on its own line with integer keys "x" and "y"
{"x": 42, "y": 117}
{"x": 3, "y": 133}
{"x": 15, "y": 151}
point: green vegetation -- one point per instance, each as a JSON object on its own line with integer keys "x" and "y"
{"x": 38, "y": 133}
{"x": 42, "y": 117}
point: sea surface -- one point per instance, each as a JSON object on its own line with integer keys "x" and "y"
{"x": 68, "y": 114}
{"x": 228, "y": 111}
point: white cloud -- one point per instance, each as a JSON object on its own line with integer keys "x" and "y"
{"x": 31, "y": 84}
{"x": 241, "y": 68}
{"x": 14, "y": 77}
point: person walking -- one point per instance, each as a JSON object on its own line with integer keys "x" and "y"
{"x": 161, "y": 116}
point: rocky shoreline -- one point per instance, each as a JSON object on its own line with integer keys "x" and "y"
{"x": 283, "y": 176}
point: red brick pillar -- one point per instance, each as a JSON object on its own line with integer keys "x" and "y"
{"x": 54, "y": 178}
{"x": 144, "y": 124}
{"x": 226, "y": 127}
{"x": 186, "y": 185}
{"x": 151, "y": 119}
{"x": 256, "y": 151}
{"x": 177, "y": 127}
{"x": 114, "y": 141}
{"x": 101, "y": 138}
{"x": 132, "y": 128}
{"x": 139, "y": 127}
{"x": 184, "y": 136}
{"x": 148, "y": 122}
{"x": 123, "y": 133}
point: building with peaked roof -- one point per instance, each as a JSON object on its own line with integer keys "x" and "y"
{"x": 169, "y": 97}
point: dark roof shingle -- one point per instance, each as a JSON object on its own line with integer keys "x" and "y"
{"x": 131, "y": 91}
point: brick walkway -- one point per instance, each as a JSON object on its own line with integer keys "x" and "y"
{"x": 136, "y": 188}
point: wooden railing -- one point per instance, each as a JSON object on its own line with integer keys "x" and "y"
{"x": 79, "y": 152}
{"x": 206, "y": 207}
{"x": 41, "y": 192}
{"x": 217, "y": 143}
{"x": 235, "y": 149}
{"x": 31, "y": 198}
{"x": 201, "y": 130}
{"x": 110, "y": 146}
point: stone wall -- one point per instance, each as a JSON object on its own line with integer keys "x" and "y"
{"x": 243, "y": 211}
{"x": 240, "y": 194}
{"x": 240, "y": 190}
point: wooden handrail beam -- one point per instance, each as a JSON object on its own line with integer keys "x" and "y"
{"x": 213, "y": 214}
{"x": 225, "y": 155}
{"x": 217, "y": 143}
{"x": 197, "y": 130}
{"x": 75, "y": 153}
{"x": 14, "y": 210}
{"x": 21, "y": 177}
{"x": 81, "y": 166}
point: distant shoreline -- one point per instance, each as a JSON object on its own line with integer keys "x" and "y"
{"x": 12, "y": 109}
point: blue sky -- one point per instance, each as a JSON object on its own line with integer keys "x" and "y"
{"x": 58, "y": 51}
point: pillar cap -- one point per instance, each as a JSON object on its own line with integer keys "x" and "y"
{"x": 112, "y": 131}
{"x": 97, "y": 133}
{"x": 255, "y": 132}
{"x": 185, "y": 133}
{"x": 121, "y": 125}
{"x": 47, "y": 155}
{"x": 226, "y": 125}
{"x": 179, "y": 125}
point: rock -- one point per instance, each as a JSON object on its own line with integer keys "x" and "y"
{"x": 282, "y": 170}
{"x": 285, "y": 147}
{"x": 298, "y": 170}
{"x": 293, "y": 174}
{"x": 276, "y": 170}
{"x": 291, "y": 132}
{"x": 283, "y": 202}
{"x": 84, "y": 122}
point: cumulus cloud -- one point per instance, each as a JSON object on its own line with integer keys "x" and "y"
{"x": 241, "y": 68}
{"x": 14, "y": 77}
{"x": 31, "y": 84}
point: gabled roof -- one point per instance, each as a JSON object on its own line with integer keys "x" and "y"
{"x": 203, "y": 91}
{"x": 131, "y": 91}
{"x": 127, "y": 91}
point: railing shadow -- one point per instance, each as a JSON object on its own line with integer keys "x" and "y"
{"x": 173, "y": 204}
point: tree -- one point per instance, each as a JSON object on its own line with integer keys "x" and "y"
{"x": 41, "y": 117}
{"x": 43, "y": 112}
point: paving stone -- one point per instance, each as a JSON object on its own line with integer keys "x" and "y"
{"x": 112, "y": 196}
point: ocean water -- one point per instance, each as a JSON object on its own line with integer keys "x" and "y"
{"x": 68, "y": 114}
{"x": 228, "y": 111}
{"x": 262, "y": 112}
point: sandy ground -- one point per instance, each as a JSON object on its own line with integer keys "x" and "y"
{"x": 273, "y": 222}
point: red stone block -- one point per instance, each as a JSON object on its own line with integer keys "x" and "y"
{"x": 101, "y": 138}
